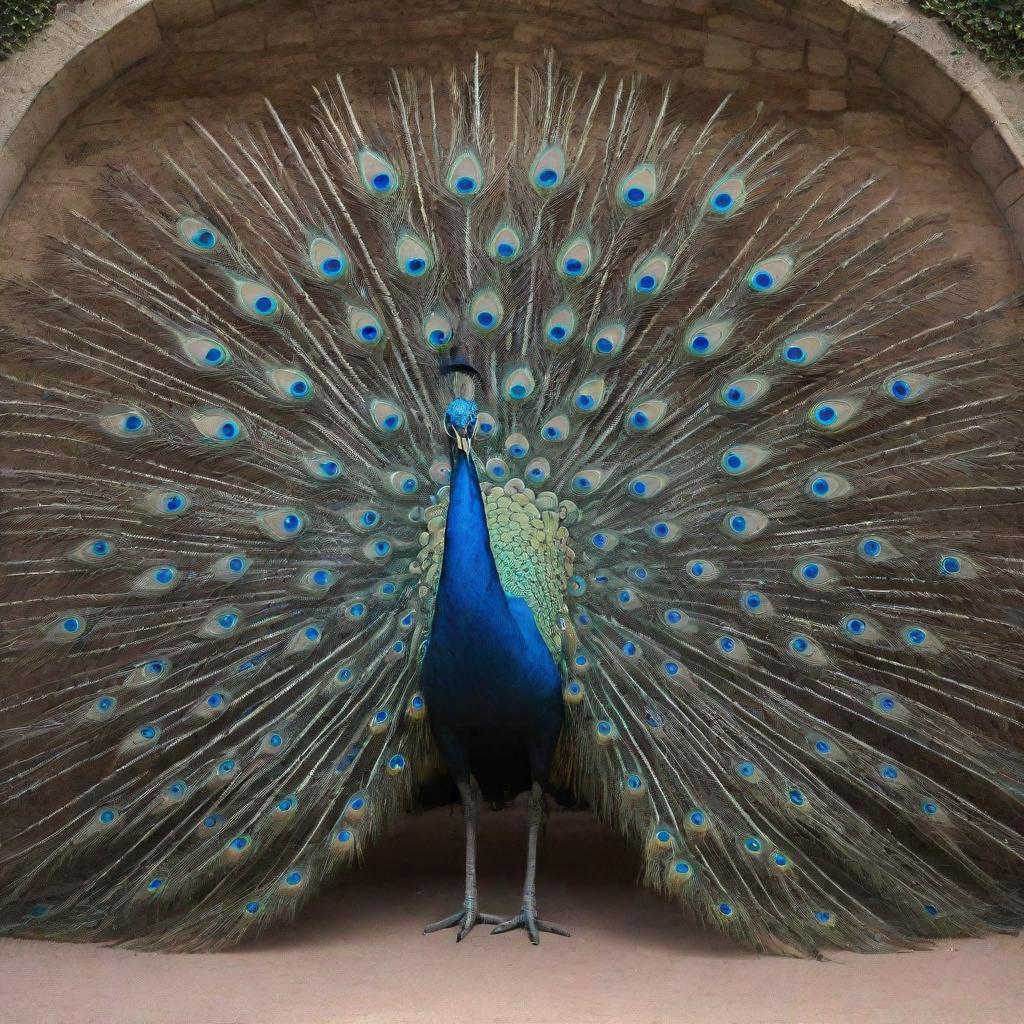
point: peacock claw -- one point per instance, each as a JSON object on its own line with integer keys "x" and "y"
{"x": 467, "y": 917}
{"x": 528, "y": 920}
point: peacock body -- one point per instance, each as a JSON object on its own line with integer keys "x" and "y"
{"x": 581, "y": 452}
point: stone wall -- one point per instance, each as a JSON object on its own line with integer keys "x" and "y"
{"x": 874, "y": 73}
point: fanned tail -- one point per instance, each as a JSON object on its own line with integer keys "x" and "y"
{"x": 750, "y": 395}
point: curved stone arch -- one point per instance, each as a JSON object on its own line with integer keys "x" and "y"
{"x": 833, "y": 45}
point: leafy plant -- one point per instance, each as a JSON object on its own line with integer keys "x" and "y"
{"x": 995, "y": 28}
{"x": 20, "y": 20}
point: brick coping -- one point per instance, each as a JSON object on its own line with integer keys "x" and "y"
{"x": 89, "y": 44}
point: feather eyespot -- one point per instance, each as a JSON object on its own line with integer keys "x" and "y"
{"x": 548, "y": 168}
{"x": 465, "y": 176}
{"x": 379, "y": 175}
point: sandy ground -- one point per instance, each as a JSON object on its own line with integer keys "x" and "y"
{"x": 358, "y": 957}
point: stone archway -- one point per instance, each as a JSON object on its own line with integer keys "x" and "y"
{"x": 838, "y": 62}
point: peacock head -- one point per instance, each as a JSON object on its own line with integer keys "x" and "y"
{"x": 460, "y": 422}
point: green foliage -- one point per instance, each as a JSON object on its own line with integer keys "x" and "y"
{"x": 19, "y": 20}
{"x": 995, "y": 28}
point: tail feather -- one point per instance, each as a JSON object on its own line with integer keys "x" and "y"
{"x": 753, "y": 396}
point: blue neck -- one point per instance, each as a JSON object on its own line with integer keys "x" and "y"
{"x": 470, "y": 597}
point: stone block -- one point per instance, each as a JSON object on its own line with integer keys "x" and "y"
{"x": 714, "y": 81}
{"x": 992, "y": 158}
{"x": 227, "y": 6}
{"x": 824, "y": 61}
{"x": 831, "y": 14}
{"x": 968, "y": 121}
{"x": 1010, "y": 190}
{"x": 869, "y": 40}
{"x": 727, "y": 54}
{"x": 908, "y": 69}
{"x": 1015, "y": 220}
{"x": 758, "y": 33}
{"x": 12, "y": 170}
{"x": 826, "y": 99}
{"x": 688, "y": 38}
{"x": 132, "y": 39}
{"x": 172, "y": 15}
{"x": 779, "y": 60}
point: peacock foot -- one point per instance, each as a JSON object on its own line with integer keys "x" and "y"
{"x": 465, "y": 918}
{"x": 527, "y": 919}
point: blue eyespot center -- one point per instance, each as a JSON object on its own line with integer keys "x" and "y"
{"x": 557, "y": 332}
{"x": 465, "y": 184}
{"x": 291, "y": 522}
{"x": 548, "y": 177}
{"x": 605, "y": 345}
{"x": 368, "y": 332}
{"x": 506, "y": 249}
{"x": 635, "y": 195}
{"x": 204, "y": 239}
{"x": 826, "y": 414}
{"x": 331, "y": 266}
{"x": 872, "y": 548}
{"x": 762, "y": 280}
{"x": 573, "y": 266}
{"x": 950, "y": 565}
{"x": 700, "y": 343}
{"x": 265, "y": 304}
{"x": 381, "y": 181}
{"x": 133, "y": 422}
{"x": 647, "y": 283}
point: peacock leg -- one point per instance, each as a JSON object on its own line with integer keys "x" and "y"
{"x": 527, "y": 916}
{"x": 468, "y": 915}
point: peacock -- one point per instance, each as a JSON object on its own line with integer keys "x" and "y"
{"x": 561, "y": 444}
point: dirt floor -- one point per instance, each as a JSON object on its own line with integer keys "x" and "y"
{"x": 358, "y": 956}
